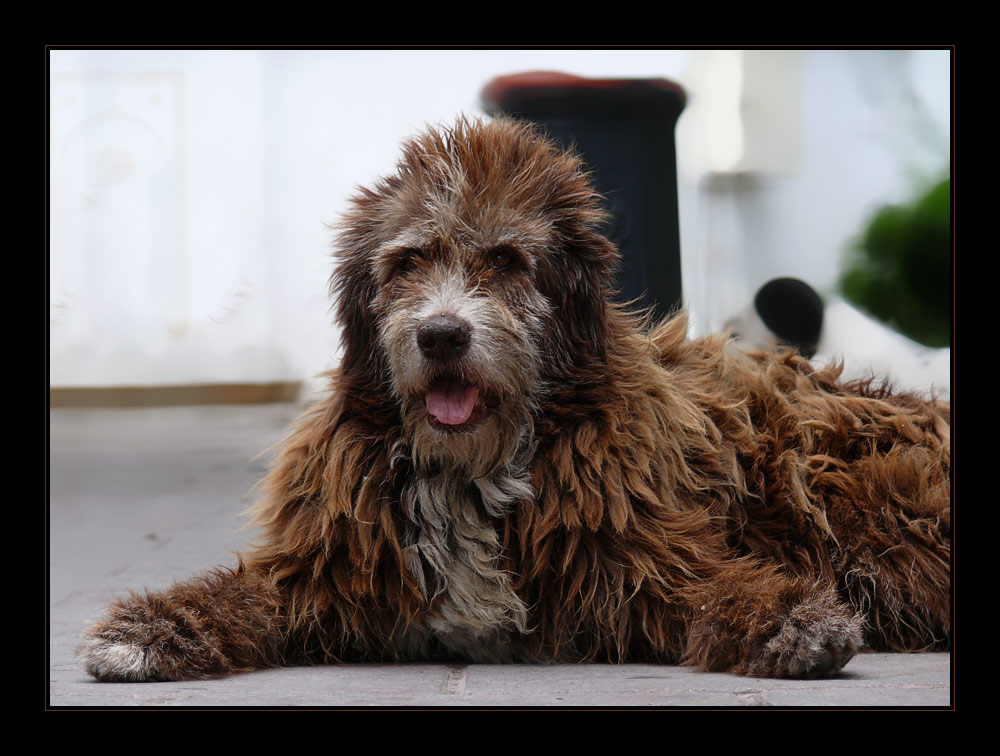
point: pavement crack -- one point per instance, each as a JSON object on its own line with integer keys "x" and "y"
{"x": 454, "y": 681}
{"x": 751, "y": 697}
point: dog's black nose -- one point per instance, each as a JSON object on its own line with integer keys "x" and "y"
{"x": 443, "y": 337}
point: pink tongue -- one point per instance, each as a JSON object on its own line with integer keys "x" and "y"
{"x": 451, "y": 402}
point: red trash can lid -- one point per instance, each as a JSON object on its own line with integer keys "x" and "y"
{"x": 503, "y": 90}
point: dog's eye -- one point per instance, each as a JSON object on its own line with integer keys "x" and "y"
{"x": 501, "y": 258}
{"x": 408, "y": 259}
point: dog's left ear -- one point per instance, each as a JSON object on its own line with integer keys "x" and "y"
{"x": 577, "y": 284}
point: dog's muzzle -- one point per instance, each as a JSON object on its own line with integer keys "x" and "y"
{"x": 452, "y": 403}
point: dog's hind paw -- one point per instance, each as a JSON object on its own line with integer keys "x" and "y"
{"x": 815, "y": 640}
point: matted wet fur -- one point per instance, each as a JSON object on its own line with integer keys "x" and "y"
{"x": 508, "y": 466}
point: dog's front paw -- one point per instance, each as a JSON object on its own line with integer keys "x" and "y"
{"x": 136, "y": 643}
{"x": 118, "y": 660}
{"x": 816, "y": 640}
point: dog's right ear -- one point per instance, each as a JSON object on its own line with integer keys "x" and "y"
{"x": 353, "y": 287}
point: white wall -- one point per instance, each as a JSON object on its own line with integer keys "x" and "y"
{"x": 190, "y": 189}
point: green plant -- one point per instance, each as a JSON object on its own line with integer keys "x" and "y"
{"x": 900, "y": 270}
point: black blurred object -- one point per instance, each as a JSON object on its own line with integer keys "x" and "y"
{"x": 792, "y": 311}
{"x": 624, "y": 131}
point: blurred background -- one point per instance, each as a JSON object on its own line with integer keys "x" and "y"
{"x": 191, "y": 192}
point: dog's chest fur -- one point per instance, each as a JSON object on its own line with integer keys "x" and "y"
{"x": 454, "y": 551}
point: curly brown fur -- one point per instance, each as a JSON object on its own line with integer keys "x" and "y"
{"x": 509, "y": 466}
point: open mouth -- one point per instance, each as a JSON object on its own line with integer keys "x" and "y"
{"x": 454, "y": 405}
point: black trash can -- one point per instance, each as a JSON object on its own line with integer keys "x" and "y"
{"x": 624, "y": 131}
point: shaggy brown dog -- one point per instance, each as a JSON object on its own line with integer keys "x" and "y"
{"x": 508, "y": 468}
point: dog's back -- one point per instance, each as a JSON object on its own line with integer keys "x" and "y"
{"x": 850, "y": 480}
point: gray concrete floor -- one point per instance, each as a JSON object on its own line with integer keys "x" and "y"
{"x": 139, "y": 498}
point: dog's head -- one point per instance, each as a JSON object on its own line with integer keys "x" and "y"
{"x": 471, "y": 280}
